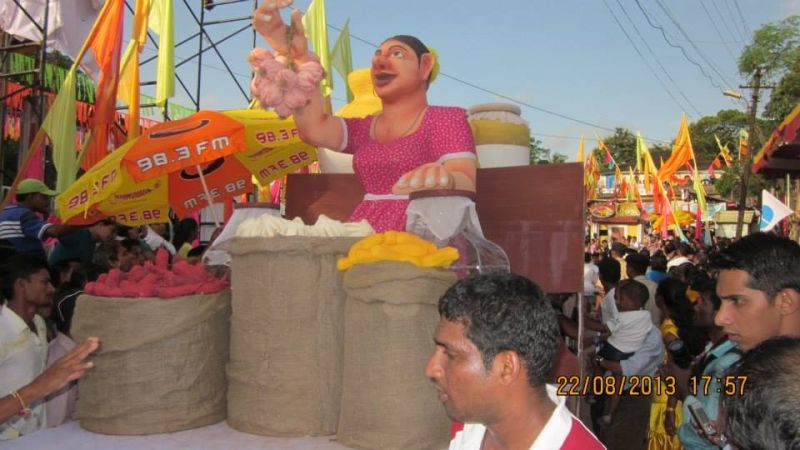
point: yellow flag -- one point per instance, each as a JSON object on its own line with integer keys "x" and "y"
{"x": 315, "y": 26}
{"x": 162, "y": 23}
{"x": 581, "y": 150}
{"x": 641, "y": 148}
{"x": 128, "y": 88}
{"x": 140, "y": 16}
{"x": 60, "y": 127}
{"x": 723, "y": 150}
{"x": 700, "y": 192}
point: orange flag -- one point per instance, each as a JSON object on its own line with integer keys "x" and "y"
{"x": 106, "y": 44}
{"x": 682, "y": 152}
{"x": 743, "y": 143}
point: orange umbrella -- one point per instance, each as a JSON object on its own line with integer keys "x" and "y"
{"x": 186, "y": 165}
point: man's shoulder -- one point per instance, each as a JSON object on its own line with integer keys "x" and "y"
{"x": 580, "y": 438}
{"x": 13, "y": 212}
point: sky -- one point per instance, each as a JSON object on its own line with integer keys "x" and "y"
{"x": 568, "y": 64}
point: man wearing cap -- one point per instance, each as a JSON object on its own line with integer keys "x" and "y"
{"x": 19, "y": 224}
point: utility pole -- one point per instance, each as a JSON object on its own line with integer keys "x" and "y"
{"x": 751, "y": 120}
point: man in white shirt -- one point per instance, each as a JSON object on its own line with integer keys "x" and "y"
{"x": 678, "y": 253}
{"x": 495, "y": 343}
{"x": 590, "y": 276}
{"x": 23, "y": 348}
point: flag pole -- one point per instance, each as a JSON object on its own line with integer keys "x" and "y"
{"x": 208, "y": 196}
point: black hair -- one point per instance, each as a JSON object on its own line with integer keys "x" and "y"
{"x": 131, "y": 243}
{"x": 633, "y": 290}
{"x": 762, "y": 413}
{"x": 707, "y": 287}
{"x": 637, "y": 263}
{"x": 197, "y": 251}
{"x": 673, "y": 293}
{"x": 505, "y": 312}
{"x": 771, "y": 262}
{"x": 680, "y": 309}
{"x": 610, "y": 270}
{"x": 587, "y": 257}
{"x": 105, "y": 255}
{"x": 658, "y": 261}
{"x": 413, "y": 42}
{"x": 17, "y": 267}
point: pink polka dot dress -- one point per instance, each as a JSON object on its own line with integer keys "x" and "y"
{"x": 443, "y": 134}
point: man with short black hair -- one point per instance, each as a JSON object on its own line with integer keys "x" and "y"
{"x": 25, "y": 287}
{"x": 495, "y": 344}
{"x": 762, "y": 411}
{"x": 759, "y": 285}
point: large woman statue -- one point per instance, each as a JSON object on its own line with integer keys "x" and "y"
{"x": 409, "y": 146}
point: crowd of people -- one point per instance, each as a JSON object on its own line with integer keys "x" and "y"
{"x": 43, "y": 270}
{"x": 678, "y": 320}
{"x": 688, "y": 346}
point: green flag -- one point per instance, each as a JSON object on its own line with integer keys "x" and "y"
{"x": 162, "y": 23}
{"x": 316, "y": 30}
{"x": 60, "y": 127}
{"x": 341, "y": 58}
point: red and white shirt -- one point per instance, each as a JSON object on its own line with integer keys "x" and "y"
{"x": 562, "y": 431}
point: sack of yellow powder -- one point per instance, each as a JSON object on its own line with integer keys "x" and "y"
{"x": 398, "y": 246}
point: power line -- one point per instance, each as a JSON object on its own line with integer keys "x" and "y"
{"x": 641, "y": 56}
{"x": 741, "y": 17}
{"x": 734, "y": 21}
{"x": 511, "y": 99}
{"x": 694, "y": 46}
{"x": 652, "y": 53}
{"x": 714, "y": 24}
{"x": 671, "y": 44}
{"x": 725, "y": 24}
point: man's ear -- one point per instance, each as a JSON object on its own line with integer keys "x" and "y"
{"x": 788, "y": 301}
{"x": 507, "y": 366}
{"x": 426, "y": 63}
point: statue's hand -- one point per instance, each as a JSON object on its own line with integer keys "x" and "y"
{"x": 268, "y": 23}
{"x": 425, "y": 177}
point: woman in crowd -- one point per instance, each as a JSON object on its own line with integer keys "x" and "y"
{"x": 683, "y": 341}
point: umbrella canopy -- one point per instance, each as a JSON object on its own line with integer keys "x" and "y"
{"x": 780, "y": 155}
{"x": 167, "y": 167}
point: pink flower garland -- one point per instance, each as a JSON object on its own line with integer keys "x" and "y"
{"x": 281, "y": 84}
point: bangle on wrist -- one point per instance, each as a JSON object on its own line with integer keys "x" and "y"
{"x": 25, "y": 409}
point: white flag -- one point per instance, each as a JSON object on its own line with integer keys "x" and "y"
{"x": 772, "y": 211}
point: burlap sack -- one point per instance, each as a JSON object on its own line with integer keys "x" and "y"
{"x": 161, "y": 363}
{"x": 284, "y": 374}
{"x": 390, "y": 315}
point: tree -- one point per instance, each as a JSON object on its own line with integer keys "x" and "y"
{"x": 726, "y": 125}
{"x": 543, "y": 155}
{"x": 776, "y": 49}
{"x": 730, "y": 183}
{"x": 622, "y": 145}
{"x": 784, "y": 97}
